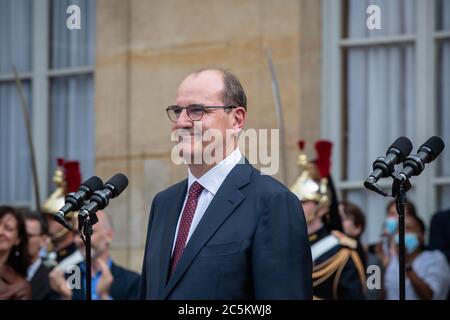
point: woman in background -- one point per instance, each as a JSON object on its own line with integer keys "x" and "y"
{"x": 427, "y": 272}
{"x": 14, "y": 258}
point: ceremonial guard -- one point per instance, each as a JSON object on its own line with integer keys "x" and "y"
{"x": 338, "y": 272}
{"x": 63, "y": 252}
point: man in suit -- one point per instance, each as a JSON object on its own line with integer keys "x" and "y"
{"x": 109, "y": 280}
{"x": 227, "y": 231}
{"x": 440, "y": 233}
{"x": 37, "y": 273}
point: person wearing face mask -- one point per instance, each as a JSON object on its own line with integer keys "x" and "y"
{"x": 391, "y": 221}
{"x": 381, "y": 250}
{"x": 427, "y": 272}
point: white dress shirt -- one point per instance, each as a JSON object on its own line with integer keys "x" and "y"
{"x": 211, "y": 182}
{"x": 33, "y": 268}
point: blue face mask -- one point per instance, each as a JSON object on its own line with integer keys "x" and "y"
{"x": 390, "y": 225}
{"x": 411, "y": 242}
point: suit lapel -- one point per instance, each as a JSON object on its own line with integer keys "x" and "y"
{"x": 172, "y": 210}
{"x": 226, "y": 200}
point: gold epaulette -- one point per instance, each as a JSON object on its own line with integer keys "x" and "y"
{"x": 335, "y": 264}
{"x": 312, "y": 237}
{"x": 344, "y": 240}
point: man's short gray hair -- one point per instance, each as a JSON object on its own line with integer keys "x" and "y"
{"x": 233, "y": 92}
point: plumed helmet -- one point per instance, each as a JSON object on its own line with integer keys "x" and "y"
{"x": 312, "y": 184}
{"x": 67, "y": 178}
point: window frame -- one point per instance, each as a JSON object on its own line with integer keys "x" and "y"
{"x": 425, "y": 42}
{"x": 40, "y": 76}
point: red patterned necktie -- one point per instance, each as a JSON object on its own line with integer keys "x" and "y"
{"x": 185, "y": 223}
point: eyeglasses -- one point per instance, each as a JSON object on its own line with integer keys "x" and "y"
{"x": 194, "y": 111}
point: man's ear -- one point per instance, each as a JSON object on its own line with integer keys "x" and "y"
{"x": 322, "y": 211}
{"x": 110, "y": 235}
{"x": 239, "y": 115}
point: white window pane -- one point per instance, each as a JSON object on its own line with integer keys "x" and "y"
{"x": 15, "y": 165}
{"x": 380, "y": 104}
{"x": 72, "y": 123}
{"x": 443, "y": 15}
{"x": 15, "y": 35}
{"x": 444, "y": 197}
{"x": 396, "y": 16}
{"x": 443, "y": 104}
{"x": 76, "y": 47}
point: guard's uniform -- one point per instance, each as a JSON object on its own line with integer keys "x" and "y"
{"x": 67, "y": 178}
{"x": 338, "y": 272}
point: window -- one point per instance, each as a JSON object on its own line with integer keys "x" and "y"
{"x": 71, "y": 87}
{"x": 442, "y": 38}
{"x": 56, "y": 67}
{"x": 382, "y": 84}
{"x": 16, "y": 48}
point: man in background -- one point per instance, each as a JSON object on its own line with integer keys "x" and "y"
{"x": 109, "y": 280}
{"x": 37, "y": 275}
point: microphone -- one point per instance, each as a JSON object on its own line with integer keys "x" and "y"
{"x": 74, "y": 200}
{"x": 415, "y": 164}
{"x": 384, "y": 166}
{"x": 100, "y": 198}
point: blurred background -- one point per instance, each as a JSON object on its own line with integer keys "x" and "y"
{"x": 98, "y": 94}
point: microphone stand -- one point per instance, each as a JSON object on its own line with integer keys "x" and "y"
{"x": 400, "y": 186}
{"x": 86, "y": 221}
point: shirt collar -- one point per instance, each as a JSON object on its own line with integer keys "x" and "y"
{"x": 33, "y": 268}
{"x": 212, "y": 180}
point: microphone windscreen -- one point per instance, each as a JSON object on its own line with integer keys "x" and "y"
{"x": 119, "y": 182}
{"x": 403, "y": 145}
{"x": 436, "y": 145}
{"x": 94, "y": 183}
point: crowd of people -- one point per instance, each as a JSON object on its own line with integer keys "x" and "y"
{"x": 427, "y": 263}
{"x": 226, "y": 231}
{"x": 29, "y": 269}
{"x": 37, "y": 258}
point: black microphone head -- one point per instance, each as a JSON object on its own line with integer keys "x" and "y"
{"x": 94, "y": 183}
{"x": 433, "y": 147}
{"x": 117, "y": 184}
{"x": 403, "y": 146}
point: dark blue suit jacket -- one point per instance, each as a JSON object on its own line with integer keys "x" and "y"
{"x": 440, "y": 233}
{"x": 251, "y": 243}
{"x": 125, "y": 285}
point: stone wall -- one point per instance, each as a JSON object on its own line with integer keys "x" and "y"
{"x": 145, "y": 48}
